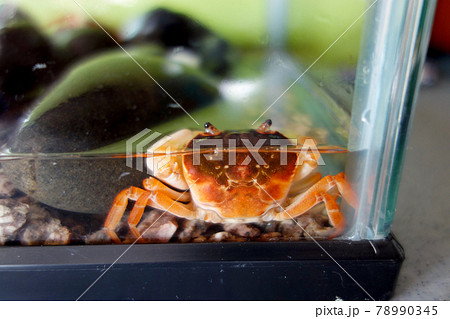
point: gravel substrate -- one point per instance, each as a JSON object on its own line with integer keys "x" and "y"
{"x": 27, "y": 222}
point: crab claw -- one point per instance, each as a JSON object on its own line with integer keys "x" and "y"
{"x": 211, "y": 129}
{"x": 264, "y": 128}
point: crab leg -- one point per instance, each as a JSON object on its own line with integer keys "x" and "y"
{"x": 334, "y": 214}
{"x": 304, "y": 176}
{"x": 346, "y": 190}
{"x": 136, "y": 214}
{"x": 118, "y": 208}
{"x": 153, "y": 185}
{"x": 307, "y": 200}
{"x": 305, "y": 183}
{"x": 305, "y": 169}
{"x": 306, "y": 163}
{"x": 159, "y": 200}
{"x": 318, "y": 193}
{"x": 164, "y": 202}
{"x": 157, "y": 193}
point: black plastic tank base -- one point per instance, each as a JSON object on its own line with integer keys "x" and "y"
{"x": 358, "y": 270}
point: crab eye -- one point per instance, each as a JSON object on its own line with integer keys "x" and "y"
{"x": 210, "y": 129}
{"x": 264, "y": 128}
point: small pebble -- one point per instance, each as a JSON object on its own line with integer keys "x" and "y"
{"x": 220, "y": 236}
{"x": 13, "y": 215}
{"x": 267, "y": 227}
{"x": 290, "y": 229}
{"x": 157, "y": 227}
{"x": 99, "y": 237}
{"x": 43, "y": 229}
{"x": 7, "y": 188}
{"x": 273, "y": 236}
{"x": 191, "y": 229}
{"x": 200, "y": 239}
{"x": 243, "y": 230}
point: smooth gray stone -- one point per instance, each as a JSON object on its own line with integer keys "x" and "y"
{"x": 108, "y": 98}
{"x": 103, "y": 100}
{"x": 84, "y": 185}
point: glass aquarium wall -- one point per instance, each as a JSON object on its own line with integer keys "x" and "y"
{"x": 389, "y": 69}
{"x": 204, "y": 121}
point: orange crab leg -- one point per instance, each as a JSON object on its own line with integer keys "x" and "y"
{"x": 318, "y": 193}
{"x": 305, "y": 183}
{"x": 346, "y": 190}
{"x": 334, "y": 214}
{"x": 304, "y": 176}
{"x": 158, "y": 199}
{"x": 136, "y": 214}
{"x": 156, "y": 194}
{"x": 164, "y": 202}
{"x": 153, "y": 185}
{"x": 305, "y": 169}
{"x": 161, "y": 192}
{"x": 118, "y": 208}
{"x": 307, "y": 200}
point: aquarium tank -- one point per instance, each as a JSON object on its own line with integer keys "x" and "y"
{"x": 166, "y": 123}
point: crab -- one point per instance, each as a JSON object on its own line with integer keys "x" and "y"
{"x": 238, "y": 186}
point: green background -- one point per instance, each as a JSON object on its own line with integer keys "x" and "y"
{"x": 313, "y": 25}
